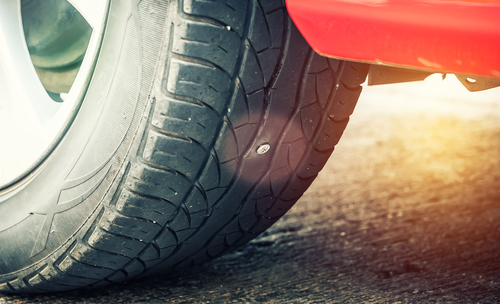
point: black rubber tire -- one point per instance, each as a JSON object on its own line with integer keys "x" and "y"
{"x": 229, "y": 118}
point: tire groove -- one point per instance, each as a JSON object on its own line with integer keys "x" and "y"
{"x": 265, "y": 113}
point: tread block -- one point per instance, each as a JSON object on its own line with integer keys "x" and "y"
{"x": 265, "y": 203}
{"x": 180, "y": 221}
{"x": 251, "y": 74}
{"x": 167, "y": 185}
{"x": 239, "y": 113}
{"x": 354, "y": 74}
{"x": 90, "y": 256}
{"x": 268, "y": 60}
{"x": 100, "y": 284}
{"x": 227, "y": 172}
{"x": 117, "y": 276}
{"x": 47, "y": 287}
{"x": 345, "y": 101}
{"x": 281, "y": 112}
{"x": 228, "y": 12}
{"x": 317, "y": 64}
{"x": 36, "y": 280}
{"x": 196, "y": 202}
{"x": 263, "y": 224}
{"x": 166, "y": 239}
{"x": 149, "y": 253}
{"x": 296, "y": 187}
{"x": 174, "y": 153}
{"x": 294, "y": 133}
{"x": 213, "y": 43}
{"x": 296, "y": 153}
{"x": 330, "y": 134}
{"x": 231, "y": 227}
{"x": 259, "y": 34}
{"x": 248, "y": 208}
{"x": 151, "y": 264}
{"x": 247, "y": 221}
{"x": 156, "y": 210}
{"x": 263, "y": 189}
{"x": 49, "y": 273}
{"x": 275, "y": 21}
{"x": 334, "y": 64}
{"x": 4, "y": 287}
{"x": 216, "y": 250}
{"x": 200, "y": 258}
{"x": 65, "y": 282}
{"x": 103, "y": 240}
{"x": 308, "y": 90}
{"x": 211, "y": 177}
{"x": 19, "y": 285}
{"x": 313, "y": 165}
{"x": 165, "y": 252}
{"x": 200, "y": 82}
{"x": 310, "y": 117}
{"x": 134, "y": 267}
{"x": 271, "y": 5}
{"x": 244, "y": 135}
{"x": 324, "y": 85}
{"x": 279, "y": 178}
{"x": 184, "y": 234}
{"x": 129, "y": 227}
{"x": 72, "y": 267}
{"x": 214, "y": 195}
{"x": 227, "y": 144}
{"x": 279, "y": 208}
{"x": 191, "y": 120}
{"x": 255, "y": 106}
{"x": 233, "y": 237}
{"x": 196, "y": 219}
{"x": 281, "y": 159}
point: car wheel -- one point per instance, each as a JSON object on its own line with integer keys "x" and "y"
{"x": 198, "y": 125}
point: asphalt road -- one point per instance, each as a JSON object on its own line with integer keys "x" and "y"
{"x": 406, "y": 211}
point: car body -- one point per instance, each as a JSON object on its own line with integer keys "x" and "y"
{"x": 453, "y": 36}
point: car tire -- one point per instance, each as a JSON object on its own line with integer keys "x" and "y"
{"x": 203, "y": 123}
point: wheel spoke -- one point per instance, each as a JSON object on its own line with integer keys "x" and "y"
{"x": 20, "y": 85}
{"x": 92, "y": 10}
{"x": 30, "y": 121}
{"x": 25, "y": 108}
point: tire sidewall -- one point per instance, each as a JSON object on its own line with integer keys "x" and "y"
{"x": 44, "y": 213}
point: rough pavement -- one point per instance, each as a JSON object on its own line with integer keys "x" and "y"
{"x": 407, "y": 210}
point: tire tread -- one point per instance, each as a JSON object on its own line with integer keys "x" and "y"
{"x": 224, "y": 92}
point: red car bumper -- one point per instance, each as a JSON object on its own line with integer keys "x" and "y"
{"x": 457, "y": 36}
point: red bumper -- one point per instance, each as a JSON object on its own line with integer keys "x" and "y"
{"x": 458, "y": 36}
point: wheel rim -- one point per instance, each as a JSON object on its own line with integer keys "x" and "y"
{"x": 32, "y": 122}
